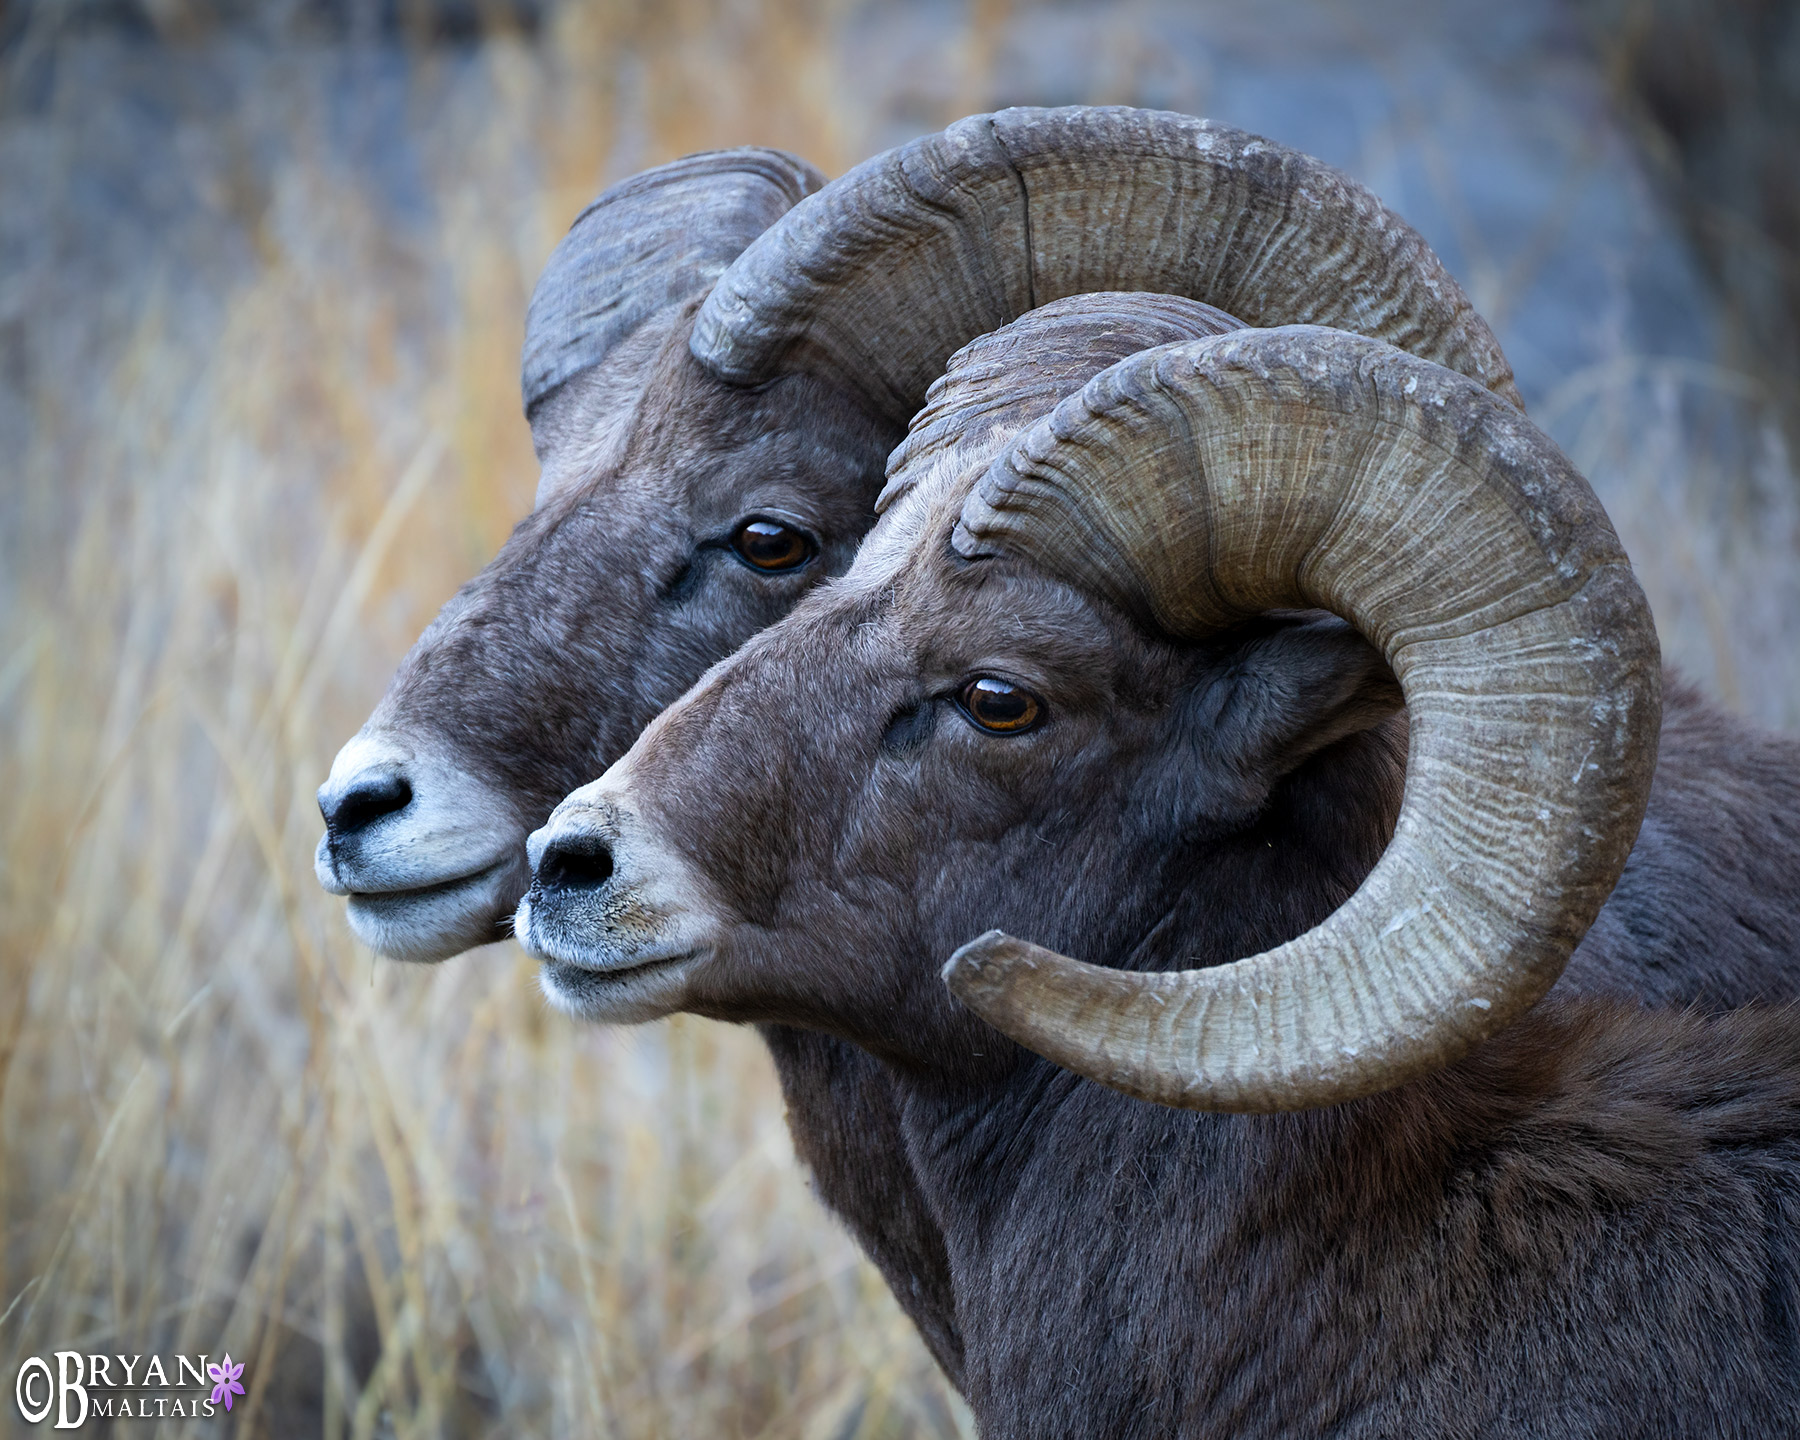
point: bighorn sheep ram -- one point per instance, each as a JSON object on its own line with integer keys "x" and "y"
{"x": 715, "y": 370}
{"x": 695, "y": 407}
{"x": 1066, "y": 689}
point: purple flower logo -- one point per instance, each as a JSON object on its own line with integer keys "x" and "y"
{"x": 225, "y": 1381}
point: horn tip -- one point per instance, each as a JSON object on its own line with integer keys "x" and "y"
{"x": 981, "y": 970}
{"x": 969, "y": 544}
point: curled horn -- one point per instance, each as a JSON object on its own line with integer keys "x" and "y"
{"x": 1200, "y": 483}
{"x": 892, "y": 267}
{"x": 647, "y": 243}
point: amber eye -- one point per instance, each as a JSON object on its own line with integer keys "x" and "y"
{"x": 999, "y": 705}
{"x": 770, "y": 545}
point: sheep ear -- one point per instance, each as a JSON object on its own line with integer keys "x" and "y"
{"x": 1296, "y": 685}
{"x": 584, "y": 425}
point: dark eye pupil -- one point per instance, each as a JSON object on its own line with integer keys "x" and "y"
{"x": 769, "y": 546}
{"x": 996, "y": 705}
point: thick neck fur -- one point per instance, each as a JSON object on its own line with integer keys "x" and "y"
{"x": 1584, "y": 1229}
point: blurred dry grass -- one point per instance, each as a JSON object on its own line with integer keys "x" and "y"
{"x": 412, "y": 1200}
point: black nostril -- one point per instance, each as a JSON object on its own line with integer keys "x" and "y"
{"x": 580, "y": 862}
{"x": 366, "y": 802}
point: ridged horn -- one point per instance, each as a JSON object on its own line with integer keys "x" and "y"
{"x": 1204, "y": 482}
{"x": 647, "y": 243}
{"x": 879, "y": 277}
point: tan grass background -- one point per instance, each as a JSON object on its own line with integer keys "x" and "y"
{"x": 413, "y": 1201}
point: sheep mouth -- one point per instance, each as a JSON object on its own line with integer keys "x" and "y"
{"x": 433, "y": 922}
{"x": 415, "y": 894}
{"x": 620, "y": 994}
{"x": 613, "y": 973}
